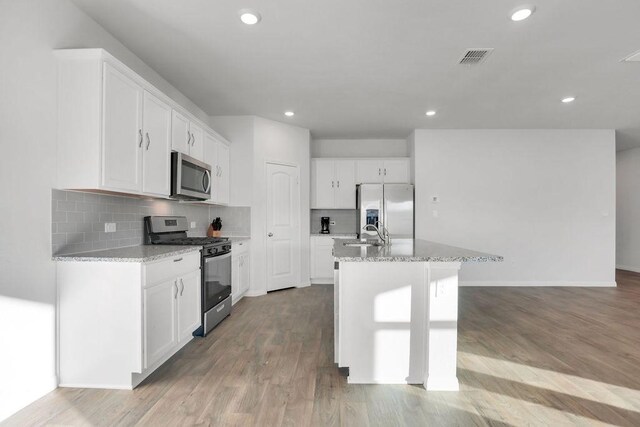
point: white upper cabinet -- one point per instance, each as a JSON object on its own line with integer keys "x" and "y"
{"x": 186, "y": 136}
{"x": 121, "y": 131}
{"x": 379, "y": 171}
{"x": 369, "y": 171}
{"x": 197, "y": 141}
{"x": 216, "y": 154}
{"x": 116, "y": 131}
{"x": 333, "y": 184}
{"x": 322, "y": 184}
{"x": 223, "y": 174}
{"x": 345, "y": 191}
{"x": 396, "y": 171}
{"x": 156, "y": 145}
{"x": 180, "y": 135}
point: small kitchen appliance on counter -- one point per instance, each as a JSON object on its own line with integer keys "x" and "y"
{"x": 215, "y": 265}
{"x": 324, "y": 223}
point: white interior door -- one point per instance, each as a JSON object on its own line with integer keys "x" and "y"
{"x": 283, "y": 227}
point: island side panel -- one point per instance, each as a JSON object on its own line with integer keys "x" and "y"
{"x": 441, "y": 324}
{"x": 381, "y": 321}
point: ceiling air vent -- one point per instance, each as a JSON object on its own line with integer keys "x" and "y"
{"x": 634, "y": 57}
{"x": 475, "y": 56}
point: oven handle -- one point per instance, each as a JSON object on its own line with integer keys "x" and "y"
{"x": 219, "y": 257}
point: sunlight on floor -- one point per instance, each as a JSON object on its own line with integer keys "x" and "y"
{"x": 602, "y": 393}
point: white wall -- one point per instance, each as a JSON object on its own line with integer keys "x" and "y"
{"x": 359, "y": 148}
{"x": 628, "y": 210}
{"x": 544, "y": 199}
{"x": 278, "y": 142}
{"x": 29, "y": 30}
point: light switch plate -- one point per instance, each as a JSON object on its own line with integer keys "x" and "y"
{"x": 109, "y": 227}
{"x": 193, "y": 224}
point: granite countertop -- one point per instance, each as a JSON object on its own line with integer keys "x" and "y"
{"x": 334, "y": 235}
{"x": 143, "y": 253}
{"x": 407, "y": 250}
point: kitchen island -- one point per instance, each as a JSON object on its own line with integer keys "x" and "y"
{"x": 396, "y": 310}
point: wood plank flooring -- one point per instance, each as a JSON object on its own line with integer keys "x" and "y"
{"x": 527, "y": 356}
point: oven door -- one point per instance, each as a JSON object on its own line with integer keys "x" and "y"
{"x": 216, "y": 279}
{"x": 190, "y": 178}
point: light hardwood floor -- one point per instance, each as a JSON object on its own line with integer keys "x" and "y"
{"x": 527, "y": 356}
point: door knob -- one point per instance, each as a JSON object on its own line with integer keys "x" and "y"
{"x": 270, "y": 234}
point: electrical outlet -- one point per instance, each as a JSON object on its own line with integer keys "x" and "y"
{"x": 109, "y": 227}
{"x": 193, "y": 224}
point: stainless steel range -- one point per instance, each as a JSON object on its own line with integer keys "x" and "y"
{"x": 215, "y": 265}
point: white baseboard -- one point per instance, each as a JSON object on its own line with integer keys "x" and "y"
{"x": 538, "y": 284}
{"x": 628, "y": 268}
{"x": 251, "y": 293}
{"x": 322, "y": 281}
{"x": 304, "y": 285}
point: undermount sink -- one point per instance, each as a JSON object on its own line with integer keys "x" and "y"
{"x": 364, "y": 244}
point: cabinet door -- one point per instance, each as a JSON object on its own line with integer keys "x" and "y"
{"x": 235, "y": 277}
{"x": 322, "y": 184}
{"x": 345, "y": 190}
{"x": 396, "y": 171}
{"x": 159, "y": 321}
{"x": 121, "y": 131}
{"x": 197, "y": 142}
{"x": 324, "y": 258}
{"x": 245, "y": 273}
{"x": 156, "y": 166}
{"x": 369, "y": 171}
{"x": 223, "y": 173}
{"x": 189, "y": 300}
{"x": 211, "y": 158}
{"x": 180, "y": 136}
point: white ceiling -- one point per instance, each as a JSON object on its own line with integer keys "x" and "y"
{"x": 371, "y": 68}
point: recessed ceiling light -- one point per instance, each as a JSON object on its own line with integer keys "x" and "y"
{"x": 431, "y": 113}
{"x": 522, "y": 13}
{"x": 249, "y": 17}
{"x": 568, "y": 99}
{"x": 289, "y": 113}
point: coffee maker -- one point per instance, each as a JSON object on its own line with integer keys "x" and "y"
{"x": 324, "y": 223}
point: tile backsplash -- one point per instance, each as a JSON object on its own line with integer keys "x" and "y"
{"x": 346, "y": 220}
{"x": 78, "y": 220}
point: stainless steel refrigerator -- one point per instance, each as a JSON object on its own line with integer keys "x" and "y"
{"x": 388, "y": 204}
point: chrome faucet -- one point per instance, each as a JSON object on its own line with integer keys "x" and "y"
{"x": 382, "y": 231}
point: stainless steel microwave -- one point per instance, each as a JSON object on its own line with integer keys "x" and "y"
{"x": 190, "y": 178}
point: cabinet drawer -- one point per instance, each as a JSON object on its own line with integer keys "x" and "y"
{"x": 239, "y": 248}
{"x": 171, "y": 267}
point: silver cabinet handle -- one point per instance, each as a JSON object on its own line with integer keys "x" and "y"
{"x": 148, "y": 140}
{"x": 338, "y": 184}
{"x": 219, "y": 309}
{"x": 181, "y": 286}
{"x": 385, "y": 171}
{"x": 177, "y": 260}
{"x": 219, "y": 170}
{"x": 332, "y": 186}
{"x": 175, "y": 285}
{"x": 188, "y": 138}
{"x": 270, "y": 234}
{"x": 193, "y": 139}
{"x": 140, "y": 143}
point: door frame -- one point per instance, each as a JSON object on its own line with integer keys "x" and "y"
{"x": 298, "y": 274}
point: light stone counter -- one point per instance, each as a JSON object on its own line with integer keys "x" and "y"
{"x": 142, "y": 253}
{"x": 407, "y": 250}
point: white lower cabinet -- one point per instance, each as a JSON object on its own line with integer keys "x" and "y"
{"x": 119, "y": 321}
{"x": 240, "y": 270}
{"x": 159, "y": 321}
{"x": 322, "y": 258}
